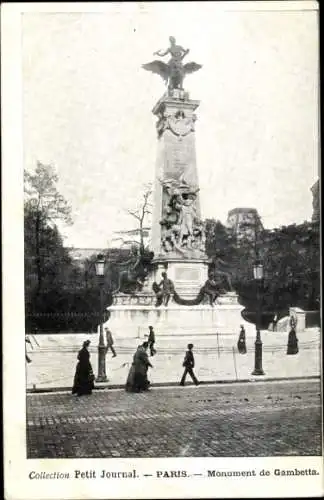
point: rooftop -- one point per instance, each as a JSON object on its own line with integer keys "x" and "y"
{"x": 243, "y": 210}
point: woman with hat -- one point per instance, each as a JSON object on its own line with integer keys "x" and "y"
{"x": 241, "y": 343}
{"x": 137, "y": 380}
{"x": 84, "y": 377}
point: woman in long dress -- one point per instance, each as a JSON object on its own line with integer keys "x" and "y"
{"x": 137, "y": 377}
{"x": 292, "y": 346}
{"x": 241, "y": 344}
{"x": 84, "y": 377}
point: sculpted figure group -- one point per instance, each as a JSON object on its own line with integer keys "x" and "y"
{"x": 182, "y": 229}
{"x": 174, "y": 71}
{"x": 165, "y": 290}
{"x": 131, "y": 279}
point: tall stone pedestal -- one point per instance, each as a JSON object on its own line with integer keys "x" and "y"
{"x": 176, "y": 177}
{"x": 130, "y": 316}
{"x": 187, "y": 275}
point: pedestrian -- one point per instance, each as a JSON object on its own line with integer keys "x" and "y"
{"x": 292, "y": 346}
{"x": 189, "y": 364}
{"x": 293, "y": 322}
{"x": 241, "y": 343}
{"x": 84, "y": 377}
{"x": 110, "y": 342}
{"x": 137, "y": 380}
{"x": 151, "y": 340}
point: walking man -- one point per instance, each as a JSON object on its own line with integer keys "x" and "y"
{"x": 151, "y": 340}
{"x": 189, "y": 363}
{"x": 110, "y": 342}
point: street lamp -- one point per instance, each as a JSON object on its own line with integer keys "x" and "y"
{"x": 258, "y": 276}
{"x": 100, "y": 272}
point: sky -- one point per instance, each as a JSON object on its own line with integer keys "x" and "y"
{"x": 87, "y": 108}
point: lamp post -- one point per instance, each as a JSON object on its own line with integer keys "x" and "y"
{"x": 100, "y": 272}
{"x": 258, "y": 276}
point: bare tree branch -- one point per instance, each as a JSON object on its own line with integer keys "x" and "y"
{"x": 134, "y": 214}
{"x": 142, "y": 213}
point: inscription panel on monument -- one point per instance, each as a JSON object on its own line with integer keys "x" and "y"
{"x": 187, "y": 274}
{"x": 179, "y": 157}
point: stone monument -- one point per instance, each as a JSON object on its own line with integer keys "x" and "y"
{"x": 179, "y": 296}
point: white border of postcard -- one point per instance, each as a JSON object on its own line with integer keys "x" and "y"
{"x": 20, "y": 473}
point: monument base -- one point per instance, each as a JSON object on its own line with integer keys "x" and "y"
{"x": 131, "y": 316}
{"x": 187, "y": 275}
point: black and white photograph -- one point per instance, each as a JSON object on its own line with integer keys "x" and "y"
{"x": 161, "y": 250}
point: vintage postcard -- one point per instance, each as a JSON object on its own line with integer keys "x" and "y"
{"x": 161, "y": 250}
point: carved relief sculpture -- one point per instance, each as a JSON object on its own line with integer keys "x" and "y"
{"x": 182, "y": 229}
{"x": 165, "y": 290}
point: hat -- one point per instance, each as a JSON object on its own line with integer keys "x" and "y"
{"x": 190, "y": 346}
{"x": 86, "y": 342}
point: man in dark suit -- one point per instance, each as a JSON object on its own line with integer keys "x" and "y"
{"x": 189, "y": 363}
{"x": 110, "y": 342}
{"x": 151, "y": 340}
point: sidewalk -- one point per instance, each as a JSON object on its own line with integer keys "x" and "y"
{"x": 217, "y": 360}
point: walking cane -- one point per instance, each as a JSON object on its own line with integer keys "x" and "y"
{"x": 234, "y": 362}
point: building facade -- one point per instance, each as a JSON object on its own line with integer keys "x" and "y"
{"x": 245, "y": 223}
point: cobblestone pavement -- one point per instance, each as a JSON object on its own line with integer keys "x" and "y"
{"x": 263, "y": 419}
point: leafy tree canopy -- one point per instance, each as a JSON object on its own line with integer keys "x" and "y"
{"x": 291, "y": 260}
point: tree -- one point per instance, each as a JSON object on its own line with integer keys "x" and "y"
{"x": 132, "y": 272}
{"x": 222, "y": 251}
{"x": 292, "y": 264}
{"x": 56, "y": 268}
{"x": 291, "y": 260}
{"x": 48, "y": 265}
{"x": 46, "y": 259}
{"x": 44, "y": 206}
{"x": 141, "y": 214}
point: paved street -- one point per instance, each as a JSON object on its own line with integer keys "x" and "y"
{"x": 251, "y": 419}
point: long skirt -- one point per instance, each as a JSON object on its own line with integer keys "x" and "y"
{"x": 241, "y": 347}
{"x": 292, "y": 346}
{"x": 129, "y": 387}
{"x": 136, "y": 380}
{"x": 83, "y": 379}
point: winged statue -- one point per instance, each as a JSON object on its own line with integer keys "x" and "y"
{"x": 173, "y": 72}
